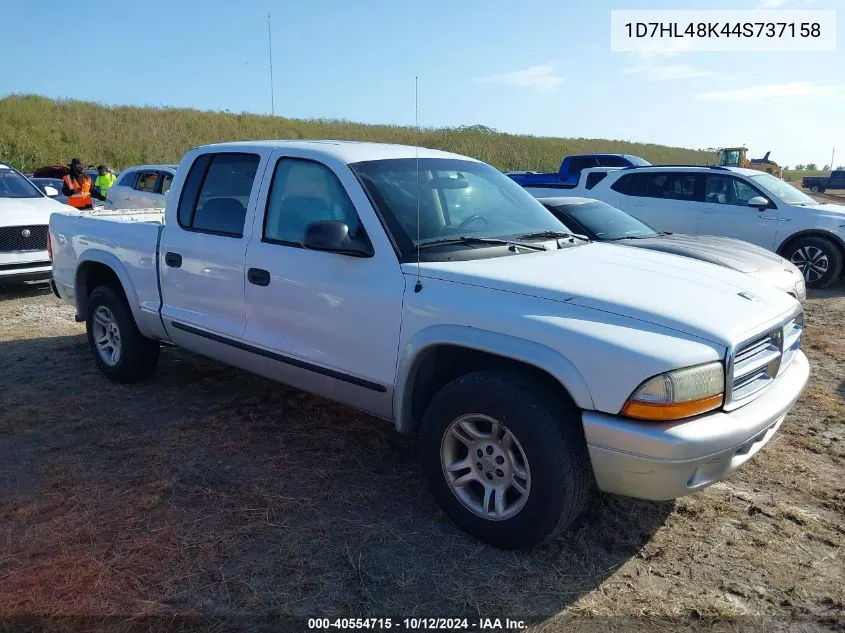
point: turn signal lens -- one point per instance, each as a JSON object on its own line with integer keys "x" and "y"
{"x": 677, "y": 394}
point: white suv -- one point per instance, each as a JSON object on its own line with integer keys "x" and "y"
{"x": 742, "y": 203}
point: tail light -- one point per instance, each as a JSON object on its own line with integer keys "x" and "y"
{"x": 49, "y": 247}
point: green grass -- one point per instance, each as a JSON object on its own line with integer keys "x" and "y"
{"x": 795, "y": 175}
{"x": 36, "y": 131}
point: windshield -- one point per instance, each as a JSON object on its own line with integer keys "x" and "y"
{"x": 456, "y": 198}
{"x": 605, "y": 222}
{"x": 639, "y": 162}
{"x": 14, "y": 185}
{"x": 784, "y": 191}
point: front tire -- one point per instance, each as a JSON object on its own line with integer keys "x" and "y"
{"x": 818, "y": 259}
{"x": 505, "y": 459}
{"x": 121, "y": 352}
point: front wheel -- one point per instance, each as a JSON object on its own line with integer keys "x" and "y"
{"x": 504, "y": 458}
{"x": 818, "y": 259}
{"x": 122, "y": 353}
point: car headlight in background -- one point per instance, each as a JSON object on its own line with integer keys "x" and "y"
{"x": 678, "y": 394}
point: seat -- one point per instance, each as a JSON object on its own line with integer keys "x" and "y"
{"x": 221, "y": 215}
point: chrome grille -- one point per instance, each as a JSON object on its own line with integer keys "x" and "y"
{"x": 23, "y": 238}
{"x": 756, "y": 363}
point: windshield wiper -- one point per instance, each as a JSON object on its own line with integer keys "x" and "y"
{"x": 552, "y": 235}
{"x": 493, "y": 241}
{"x": 634, "y": 237}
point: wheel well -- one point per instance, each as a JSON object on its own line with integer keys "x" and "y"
{"x": 88, "y": 277}
{"x": 442, "y": 364}
{"x": 822, "y": 234}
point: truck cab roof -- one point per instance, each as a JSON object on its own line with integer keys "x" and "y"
{"x": 347, "y": 151}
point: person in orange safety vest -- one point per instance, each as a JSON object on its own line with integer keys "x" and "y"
{"x": 77, "y": 186}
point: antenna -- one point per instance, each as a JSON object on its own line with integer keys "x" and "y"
{"x": 270, "y": 45}
{"x": 418, "y": 285}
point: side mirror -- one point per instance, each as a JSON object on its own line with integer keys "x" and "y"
{"x": 759, "y": 202}
{"x": 333, "y": 236}
{"x": 51, "y": 191}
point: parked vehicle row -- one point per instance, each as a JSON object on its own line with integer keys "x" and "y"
{"x": 571, "y": 167}
{"x": 431, "y": 290}
{"x": 729, "y": 201}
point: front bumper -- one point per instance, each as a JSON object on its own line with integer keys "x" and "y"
{"x": 18, "y": 273}
{"x": 651, "y": 460}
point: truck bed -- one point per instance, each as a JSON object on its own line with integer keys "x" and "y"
{"x": 127, "y": 241}
{"x": 540, "y": 180}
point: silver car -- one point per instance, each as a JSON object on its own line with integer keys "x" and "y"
{"x": 605, "y": 223}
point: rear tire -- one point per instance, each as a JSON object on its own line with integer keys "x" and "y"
{"x": 818, "y": 259}
{"x": 121, "y": 352}
{"x": 814, "y": 189}
{"x": 512, "y": 493}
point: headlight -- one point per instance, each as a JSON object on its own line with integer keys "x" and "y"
{"x": 678, "y": 394}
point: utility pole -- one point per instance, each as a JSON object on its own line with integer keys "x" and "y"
{"x": 832, "y": 155}
{"x": 270, "y": 44}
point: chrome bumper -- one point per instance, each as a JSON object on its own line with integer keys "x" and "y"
{"x": 651, "y": 460}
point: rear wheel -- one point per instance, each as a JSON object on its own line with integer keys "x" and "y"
{"x": 504, "y": 458}
{"x": 122, "y": 353}
{"x": 814, "y": 189}
{"x": 818, "y": 259}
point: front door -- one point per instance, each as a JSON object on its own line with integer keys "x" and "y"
{"x": 327, "y": 322}
{"x": 725, "y": 211}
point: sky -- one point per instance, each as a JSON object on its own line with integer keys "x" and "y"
{"x": 541, "y": 67}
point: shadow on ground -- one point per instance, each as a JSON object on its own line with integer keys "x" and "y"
{"x": 20, "y": 291}
{"x": 211, "y": 492}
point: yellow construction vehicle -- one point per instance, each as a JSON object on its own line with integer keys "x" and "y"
{"x": 738, "y": 157}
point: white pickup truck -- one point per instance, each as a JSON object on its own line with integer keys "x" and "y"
{"x": 431, "y": 290}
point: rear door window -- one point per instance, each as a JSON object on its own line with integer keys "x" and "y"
{"x": 671, "y": 186}
{"x": 216, "y": 193}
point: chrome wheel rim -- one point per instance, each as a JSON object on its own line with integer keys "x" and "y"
{"x": 106, "y": 336}
{"x": 485, "y": 467}
{"x": 812, "y": 262}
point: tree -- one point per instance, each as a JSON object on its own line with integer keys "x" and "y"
{"x": 812, "y": 166}
{"x": 799, "y": 167}
{"x": 826, "y": 168}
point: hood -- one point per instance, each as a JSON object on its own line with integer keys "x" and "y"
{"x": 680, "y": 293}
{"x": 725, "y": 251}
{"x": 836, "y": 209}
{"x": 20, "y": 211}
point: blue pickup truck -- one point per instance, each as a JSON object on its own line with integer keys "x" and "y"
{"x": 570, "y": 170}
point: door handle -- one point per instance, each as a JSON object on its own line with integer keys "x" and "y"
{"x": 174, "y": 260}
{"x": 258, "y": 276}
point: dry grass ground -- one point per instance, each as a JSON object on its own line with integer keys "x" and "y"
{"x": 211, "y": 499}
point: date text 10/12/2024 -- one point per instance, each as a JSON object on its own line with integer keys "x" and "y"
{"x": 416, "y": 624}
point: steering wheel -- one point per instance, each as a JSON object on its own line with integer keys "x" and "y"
{"x": 472, "y": 218}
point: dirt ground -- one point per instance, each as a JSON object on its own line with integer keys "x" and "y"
{"x": 212, "y": 499}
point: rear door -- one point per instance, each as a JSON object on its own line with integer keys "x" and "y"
{"x": 201, "y": 257}
{"x": 724, "y": 211}
{"x": 666, "y": 200}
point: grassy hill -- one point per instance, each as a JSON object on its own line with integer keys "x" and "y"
{"x": 36, "y": 131}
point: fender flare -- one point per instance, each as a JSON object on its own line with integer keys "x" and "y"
{"x": 828, "y": 235}
{"x": 518, "y": 349}
{"x": 98, "y": 256}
